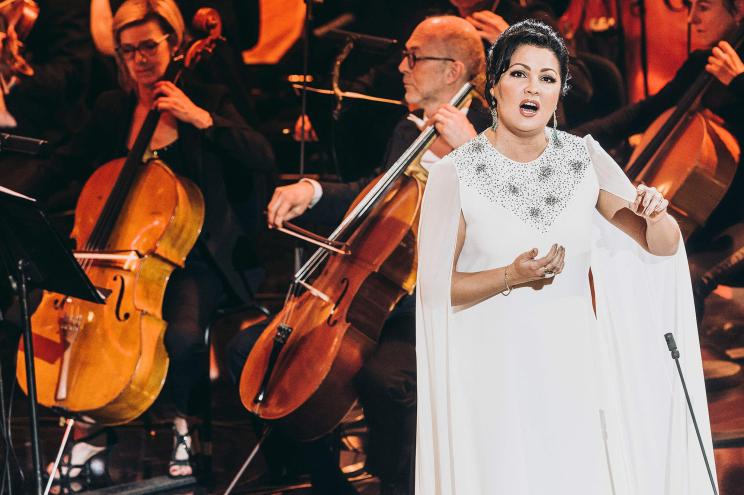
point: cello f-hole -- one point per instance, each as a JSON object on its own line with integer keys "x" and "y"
{"x": 119, "y": 299}
{"x": 332, "y": 321}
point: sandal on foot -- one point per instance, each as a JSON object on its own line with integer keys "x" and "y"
{"x": 181, "y": 441}
{"x": 91, "y": 473}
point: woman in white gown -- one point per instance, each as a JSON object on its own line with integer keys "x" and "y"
{"x": 536, "y": 393}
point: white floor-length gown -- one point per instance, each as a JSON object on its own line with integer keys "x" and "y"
{"x": 532, "y": 394}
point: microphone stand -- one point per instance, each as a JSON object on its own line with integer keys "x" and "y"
{"x": 336, "y": 76}
{"x": 672, "y": 346}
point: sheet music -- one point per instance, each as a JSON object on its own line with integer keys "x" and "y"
{"x": 16, "y": 194}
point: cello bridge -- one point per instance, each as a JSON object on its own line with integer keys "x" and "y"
{"x": 316, "y": 292}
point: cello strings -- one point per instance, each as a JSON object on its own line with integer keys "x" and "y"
{"x": 122, "y": 186}
{"x": 367, "y": 203}
{"x": 321, "y": 254}
{"x": 107, "y": 218}
{"x": 372, "y": 198}
{"x": 119, "y": 195}
{"x": 109, "y": 208}
{"x": 288, "y": 303}
{"x": 292, "y": 294}
{"x": 381, "y": 188}
{"x": 104, "y": 225}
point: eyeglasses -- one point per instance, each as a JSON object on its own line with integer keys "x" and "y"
{"x": 147, "y": 48}
{"x": 412, "y": 58}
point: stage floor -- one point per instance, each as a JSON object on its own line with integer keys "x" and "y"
{"x": 144, "y": 446}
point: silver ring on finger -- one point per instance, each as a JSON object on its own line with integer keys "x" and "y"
{"x": 547, "y": 273}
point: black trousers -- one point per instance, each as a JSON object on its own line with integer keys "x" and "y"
{"x": 386, "y": 385}
{"x": 387, "y": 389}
{"x": 191, "y": 299}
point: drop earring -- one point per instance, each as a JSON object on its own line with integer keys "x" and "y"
{"x": 555, "y": 130}
{"x": 494, "y": 118}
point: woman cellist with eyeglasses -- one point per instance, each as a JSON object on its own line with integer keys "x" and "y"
{"x": 201, "y": 137}
{"x": 716, "y": 27}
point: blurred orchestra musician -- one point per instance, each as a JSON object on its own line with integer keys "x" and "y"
{"x": 239, "y": 26}
{"x": 201, "y": 136}
{"x": 48, "y": 102}
{"x": 441, "y": 55}
{"x": 722, "y": 236}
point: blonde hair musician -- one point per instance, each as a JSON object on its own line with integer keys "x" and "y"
{"x": 200, "y": 136}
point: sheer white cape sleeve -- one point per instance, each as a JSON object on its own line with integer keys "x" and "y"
{"x": 639, "y": 298}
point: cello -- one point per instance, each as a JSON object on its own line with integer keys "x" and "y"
{"x": 299, "y": 373}
{"x": 688, "y": 155}
{"x": 135, "y": 222}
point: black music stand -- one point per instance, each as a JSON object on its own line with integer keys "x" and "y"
{"x": 36, "y": 257}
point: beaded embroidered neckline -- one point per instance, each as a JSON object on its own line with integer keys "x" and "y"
{"x": 536, "y": 191}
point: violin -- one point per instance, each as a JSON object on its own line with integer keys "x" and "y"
{"x": 299, "y": 373}
{"x": 689, "y": 155}
{"x": 107, "y": 363}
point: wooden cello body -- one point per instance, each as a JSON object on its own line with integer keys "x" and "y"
{"x": 334, "y": 334}
{"x": 108, "y": 362}
{"x": 300, "y": 373}
{"x": 694, "y": 170}
{"x": 689, "y": 155}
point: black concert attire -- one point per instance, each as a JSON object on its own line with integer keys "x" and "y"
{"x": 727, "y": 102}
{"x": 50, "y": 104}
{"x": 222, "y": 161}
{"x": 387, "y": 382}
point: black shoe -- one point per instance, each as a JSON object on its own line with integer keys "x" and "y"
{"x": 186, "y": 442}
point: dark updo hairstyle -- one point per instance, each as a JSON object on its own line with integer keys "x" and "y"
{"x": 527, "y": 32}
{"x": 730, "y": 6}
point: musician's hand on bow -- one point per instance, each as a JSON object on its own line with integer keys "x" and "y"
{"x": 289, "y": 202}
{"x": 489, "y": 25}
{"x": 724, "y": 63}
{"x": 452, "y": 125}
{"x": 649, "y": 203}
{"x": 527, "y": 268}
{"x": 169, "y": 98}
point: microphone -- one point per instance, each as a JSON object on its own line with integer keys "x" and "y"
{"x": 672, "y": 346}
